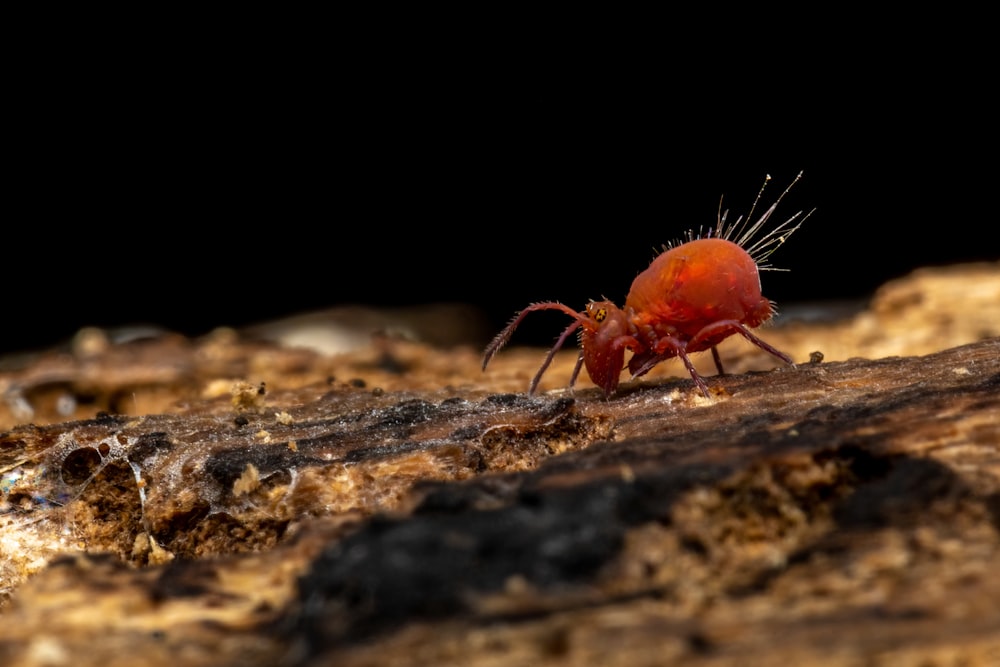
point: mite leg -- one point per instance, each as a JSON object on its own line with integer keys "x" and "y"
{"x": 663, "y": 348}
{"x": 773, "y": 351}
{"x": 738, "y": 327}
{"x": 718, "y": 360}
{"x": 576, "y": 370}
{"x": 552, "y": 353}
{"x": 501, "y": 338}
{"x": 668, "y": 347}
{"x": 695, "y": 375}
{"x": 698, "y": 379}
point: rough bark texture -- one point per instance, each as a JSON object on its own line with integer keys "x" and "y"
{"x": 234, "y": 501}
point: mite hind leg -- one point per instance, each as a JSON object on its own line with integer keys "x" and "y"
{"x": 767, "y": 347}
{"x": 726, "y": 327}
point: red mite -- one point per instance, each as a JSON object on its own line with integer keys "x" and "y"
{"x": 693, "y": 296}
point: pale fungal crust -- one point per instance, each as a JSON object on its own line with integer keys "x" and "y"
{"x": 248, "y": 482}
{"x": 247, "y": 397}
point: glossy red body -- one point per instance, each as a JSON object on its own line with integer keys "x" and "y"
{"x": 693, "y": 285}
{"x": 691, "y": 298}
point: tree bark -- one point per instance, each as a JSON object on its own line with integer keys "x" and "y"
{"x": 235, "y": 501}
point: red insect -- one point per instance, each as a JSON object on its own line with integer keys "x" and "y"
{"x": 692, "y": 297}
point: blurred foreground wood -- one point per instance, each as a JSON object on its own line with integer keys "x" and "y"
{"x": 235, "y": 501}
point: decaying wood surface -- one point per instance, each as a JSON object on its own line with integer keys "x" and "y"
{"x": 233, "y": 501}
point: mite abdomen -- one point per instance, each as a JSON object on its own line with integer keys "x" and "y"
{"x": 698, "y": 283}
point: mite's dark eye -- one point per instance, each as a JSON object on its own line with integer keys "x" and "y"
{"x": 601, "y": 314}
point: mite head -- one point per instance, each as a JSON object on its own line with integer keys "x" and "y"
{"x": 604, "y": 337}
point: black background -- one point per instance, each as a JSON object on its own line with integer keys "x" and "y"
{"x": 253, "y": 183}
